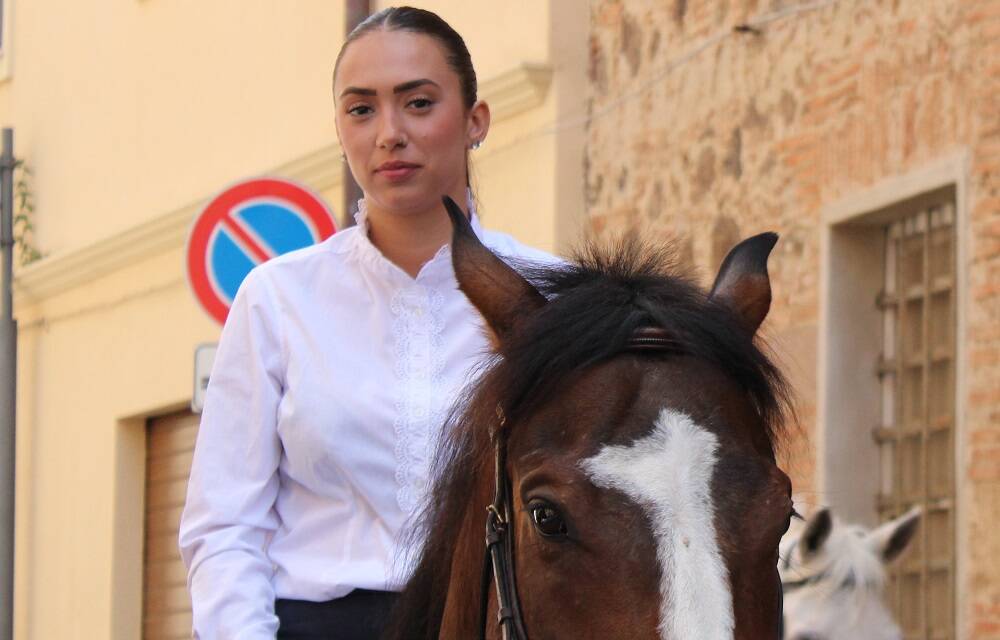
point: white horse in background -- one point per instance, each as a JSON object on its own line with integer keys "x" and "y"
{"x": 833, "y": 577}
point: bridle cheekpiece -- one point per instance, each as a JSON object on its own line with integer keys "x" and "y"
{"x": 499, "y": 559}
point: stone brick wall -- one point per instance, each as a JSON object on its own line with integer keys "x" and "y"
{"x": 705, "y": 134}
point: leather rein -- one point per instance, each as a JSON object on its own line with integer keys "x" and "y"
{"x": 498, "y": 565}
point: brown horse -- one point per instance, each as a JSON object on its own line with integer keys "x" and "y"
{"x": 635, "y": 422}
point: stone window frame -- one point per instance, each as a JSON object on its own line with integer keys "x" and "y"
{"x": 851, "y": 264}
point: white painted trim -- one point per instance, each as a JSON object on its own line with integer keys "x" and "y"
{"x": 517, "y": 90}
{"x": 54, "y": 275}
{"x": 948, "y": 171}
{"x": 512, "y": 92}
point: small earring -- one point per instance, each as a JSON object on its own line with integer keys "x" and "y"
{"x": 343, "y": 157}
{"x": 476, "y": 144}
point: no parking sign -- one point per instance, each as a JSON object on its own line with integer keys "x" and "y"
{"x": 245, "y": 225}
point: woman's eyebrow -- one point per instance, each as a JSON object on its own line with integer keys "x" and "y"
{"x": 357, "y": 91}
{"x": 399, "y": 88}
{"x": 413, "y": 84}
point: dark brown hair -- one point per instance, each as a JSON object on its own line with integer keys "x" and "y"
{"x": 428, "y": 23}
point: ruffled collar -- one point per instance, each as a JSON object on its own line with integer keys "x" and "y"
{"x": 361, "y": 215}
{"x": 436, "y": 268}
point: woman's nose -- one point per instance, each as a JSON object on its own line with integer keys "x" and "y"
{"x": 390, "y": 133}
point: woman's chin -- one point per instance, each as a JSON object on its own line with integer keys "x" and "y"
{"x": 405, "y": 199}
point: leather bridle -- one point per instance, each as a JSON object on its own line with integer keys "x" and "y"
{"x": 499, "y": 558}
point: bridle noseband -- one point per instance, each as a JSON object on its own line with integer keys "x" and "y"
{"x": 499, "y": 559}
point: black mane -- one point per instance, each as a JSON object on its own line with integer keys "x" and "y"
{"x": 595, "y": 304}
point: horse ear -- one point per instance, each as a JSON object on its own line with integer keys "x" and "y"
{"x": 499, "y": 292}
{"x": 742, "y": 281}
{"x": 890, "y": 539}
{"x": 816, "y": 532}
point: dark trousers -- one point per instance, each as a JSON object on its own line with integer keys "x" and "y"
{"x": 360, "y": 615}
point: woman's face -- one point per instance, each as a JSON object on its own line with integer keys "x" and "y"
{"x": 401, "y": 120}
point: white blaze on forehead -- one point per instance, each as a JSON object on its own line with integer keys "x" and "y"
{"x": 669, "y": 473}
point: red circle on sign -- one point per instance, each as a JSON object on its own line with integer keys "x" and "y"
{"x": 318, "y": 217}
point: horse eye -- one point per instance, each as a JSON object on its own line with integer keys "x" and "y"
{"x": 548, "y": 521}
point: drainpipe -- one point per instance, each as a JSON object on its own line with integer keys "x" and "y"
{"x": 355, "y": 11}
{"x": 8, "y": 388}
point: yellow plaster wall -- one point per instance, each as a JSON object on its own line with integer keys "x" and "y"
{"x": 130, "y": 111}
{"x": 92, "y": 359}
{"x": 153, "y": 102}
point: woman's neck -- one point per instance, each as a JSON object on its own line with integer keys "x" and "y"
{"x": 409, "y": 240}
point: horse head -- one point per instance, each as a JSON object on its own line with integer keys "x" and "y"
{"x": 834, "y": 573}
{"x": 638, "y": 422}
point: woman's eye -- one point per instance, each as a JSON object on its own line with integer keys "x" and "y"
{"x": 360, "y": 110}
{"x": 421, "y": 103}
{"x": 548, "y": 521}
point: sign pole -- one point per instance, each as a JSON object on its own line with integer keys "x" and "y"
{"x": 8, "y": 388}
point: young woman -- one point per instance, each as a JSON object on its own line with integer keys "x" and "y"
{"x": 338, "y": 362}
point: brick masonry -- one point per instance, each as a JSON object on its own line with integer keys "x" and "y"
{"x": 760, "y": 131}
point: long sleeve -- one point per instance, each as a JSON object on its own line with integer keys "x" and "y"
{"x": 334, "y": 374}
{"x": 229, "y": 515}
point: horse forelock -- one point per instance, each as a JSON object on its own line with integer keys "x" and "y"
{"x": 598, "y": 302}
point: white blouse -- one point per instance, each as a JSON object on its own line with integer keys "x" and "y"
{"x": 334, "y": 373}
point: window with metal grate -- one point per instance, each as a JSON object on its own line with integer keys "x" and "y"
{"x": 916, "y": 437}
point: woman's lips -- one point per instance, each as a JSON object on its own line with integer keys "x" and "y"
{"x": 397, "y": 171}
